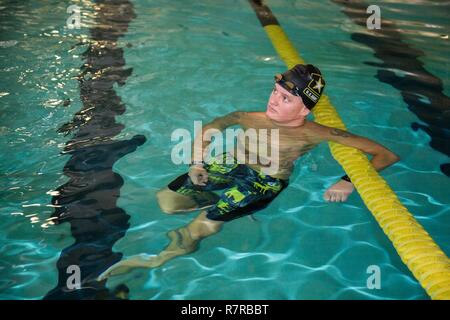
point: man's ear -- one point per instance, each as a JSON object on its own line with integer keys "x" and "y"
{"x": 305, "y": 111}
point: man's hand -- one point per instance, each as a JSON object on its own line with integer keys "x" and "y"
{"x": 339, "y": 191}
{"x": 198, "y": 175}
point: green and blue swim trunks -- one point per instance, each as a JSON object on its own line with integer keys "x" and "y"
{"x": 243, "y": 190}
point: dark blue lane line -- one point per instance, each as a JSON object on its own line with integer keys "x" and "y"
{"x": 88, "y": 201}
{"x": 421, "y": 90}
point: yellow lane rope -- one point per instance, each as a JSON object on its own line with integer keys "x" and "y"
{"x": 416, "y": 248}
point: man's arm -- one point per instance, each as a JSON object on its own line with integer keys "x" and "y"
{"x": 382, "y": 157}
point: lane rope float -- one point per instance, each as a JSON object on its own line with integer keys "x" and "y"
{"x": 427, "y": 262}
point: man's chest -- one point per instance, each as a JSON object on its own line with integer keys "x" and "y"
{"x": 286, "y": 141}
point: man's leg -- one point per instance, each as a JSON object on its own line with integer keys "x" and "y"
{"x": 183, "y": 241}
{"x": 186, "y": 239}
{"x": 173, "y": 202}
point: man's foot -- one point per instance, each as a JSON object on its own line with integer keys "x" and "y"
{"x": 181, "y": 243}
{"x": 124, "y": 266}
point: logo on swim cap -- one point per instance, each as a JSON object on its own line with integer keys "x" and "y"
{"x": 310, "y": 95}
{"x": 314, "y": 88}
{"x": 305, "y": 81}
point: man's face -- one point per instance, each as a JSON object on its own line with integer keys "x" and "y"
{"x": 283, "y": 106}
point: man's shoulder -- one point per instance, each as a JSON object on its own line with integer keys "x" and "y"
{"x": 247, "y": 115}
{"x": 317, "y": 130}
{"x": 326, "y": 133}
{"x": 315, "y": 127}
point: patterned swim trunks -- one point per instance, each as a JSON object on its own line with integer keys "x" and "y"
{"x": 244, "y": 189}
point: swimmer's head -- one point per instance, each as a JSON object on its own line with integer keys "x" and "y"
{"x": 295, "y": 93}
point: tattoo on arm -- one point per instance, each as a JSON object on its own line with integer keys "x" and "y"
{"x": 237, "y": 116}
{"x": 232, "y": 118}
{"x": 341, "y": 133}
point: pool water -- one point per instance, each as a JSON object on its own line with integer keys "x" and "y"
{"x": 196, "y": 61}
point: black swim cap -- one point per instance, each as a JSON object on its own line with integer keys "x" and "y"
{"x": 304, "y": 81}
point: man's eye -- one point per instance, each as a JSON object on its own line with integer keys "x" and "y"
{"x": 286, "y": 99}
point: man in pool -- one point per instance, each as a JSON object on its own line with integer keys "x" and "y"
{"x": 245, "y": 187}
